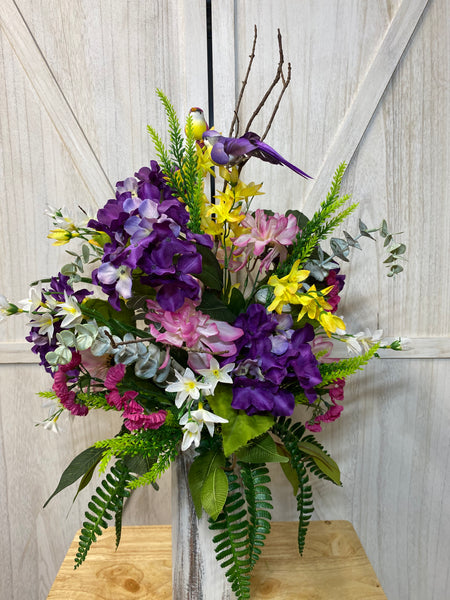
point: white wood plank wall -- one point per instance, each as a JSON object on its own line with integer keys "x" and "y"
{"x": 370, "y": 85}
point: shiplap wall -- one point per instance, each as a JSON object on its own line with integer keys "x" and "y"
{"x": 370, "y": 85}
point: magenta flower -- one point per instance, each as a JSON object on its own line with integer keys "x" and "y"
{"x": 191, "y": 328}
{"x": 135, "y": 417}
{"x": 267, "y": 232}
{"x": 114, "y": 376}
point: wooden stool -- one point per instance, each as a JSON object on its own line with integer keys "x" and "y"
{"x": 334, "y": 566}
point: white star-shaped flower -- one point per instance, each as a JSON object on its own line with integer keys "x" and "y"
{"x": 186, "y": 386}
{"x": 216, "y": 374}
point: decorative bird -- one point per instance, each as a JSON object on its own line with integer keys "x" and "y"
{"x": 199, "y": 123}
{"x": 230, "y": 151}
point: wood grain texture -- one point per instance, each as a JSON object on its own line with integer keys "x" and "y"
{"x": 196, "y": 575}
{"x": 333, "y": 566}
{"x": 68, "y": 70}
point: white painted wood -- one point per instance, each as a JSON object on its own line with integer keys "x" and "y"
{"x": 46, "y": 86}
{"x": 420, "y": 347}
{"x": 67, "y": 70}
{"x": 196, "y": 575}
{"x": 365, "y": 102}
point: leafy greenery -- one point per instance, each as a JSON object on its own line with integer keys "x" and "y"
{"x": 208, "y": 482}
{"x": 231, "y": 544}
{"x": 240, "y": 427}
{"x": 78, "y": 467}
{"x": 158, "y": 446}
{"x": 291, "y": 436}
{"x": 108, "y": 499}
{"x": 321, "y": 224}
{"x": 259, "y": 505}
{"x": 180, "y": 164}
{"x": 338, "y": 370}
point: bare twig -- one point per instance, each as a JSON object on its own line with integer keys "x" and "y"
{"x": 286, "y": 82}
{"x": 235, "y": 120}
{"x": 276, "y": 79}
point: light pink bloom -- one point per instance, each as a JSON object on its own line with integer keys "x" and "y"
{"x": 191, "y": 328}
{"x": 267, "y": 232}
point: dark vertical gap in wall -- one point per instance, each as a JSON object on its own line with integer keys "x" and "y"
{"x": 209, "y": 51}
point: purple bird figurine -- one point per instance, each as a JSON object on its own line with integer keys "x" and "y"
{"x": 229, "y": 151}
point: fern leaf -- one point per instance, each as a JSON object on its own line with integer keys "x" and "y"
{"x": 231, "y": 543}
{"x": 290, "y": 437}
{"x": 112, "y": 495}
{"x": 340, "y": 370}
{"x": 259, "y": 503}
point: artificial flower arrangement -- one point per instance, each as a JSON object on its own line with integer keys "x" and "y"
{"x": 204, "y": 324}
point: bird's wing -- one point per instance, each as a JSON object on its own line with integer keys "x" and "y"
{"x": 218, "y": 154}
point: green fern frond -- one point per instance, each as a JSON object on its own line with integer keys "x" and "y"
{"x": 259, "y": 503}
{"x": 347, "y": 366}
{"x": 176, "y": 136}
{"x": 321, "y": 225}
{"x": 96, "y": 401}
{"x": 231, "y": 543}
{"x": 161, "y": 152}
{"x": 51, "y": 395}
{"x": 290, "y": 436}
{"x": 157, "y": 444}
{"x": 108, "y": 499}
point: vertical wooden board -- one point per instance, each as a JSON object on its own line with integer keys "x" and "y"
{"x": 101, "y": 63}
{"x": 35, "y": 171}
{"x": 391, "y": 444}
{"x": 110, "y": 57}
{"x": 330, "y": 52}
{"x": 400, "y": 173}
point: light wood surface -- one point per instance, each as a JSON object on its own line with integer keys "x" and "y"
{"x": 334, "y": 566}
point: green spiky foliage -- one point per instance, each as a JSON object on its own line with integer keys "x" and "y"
{"x": 156, "y": 448}
{"x": 290, "y": 436}
{"x": 231, "y": 544}
{"x": 259, "y": 505}
{"x": 108, "y": 499}
{"x": 321, "y": 225}
{"x": 179, "y": 164}
{"x": 340, "y": 370}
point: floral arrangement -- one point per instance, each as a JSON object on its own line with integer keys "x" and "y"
{"x": 204, "y": 324}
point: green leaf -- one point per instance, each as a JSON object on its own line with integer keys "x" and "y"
{"x": 240, "y": 427}
{"x": 289, "y": 472}
{"x": 199, "y": 472}
{"x": 105, "y": 310}
{"x": 324, "y": 462}
{"x": 216, "y": 308}
{"x": 302, "y": 220}
{"x": 261, "y": 450}
{"x": 80, "y": 465}
{"x": 214, "y": 492}
{"x": 85, "y": 479}
{"x": 237, "y": 301}
{"x": 211, "y": 274}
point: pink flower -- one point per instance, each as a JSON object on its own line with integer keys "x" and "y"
{"x": 66, "y": 396}
{"x": 117, "y": 401}
{"x": 189, "y": 327}
{"x": 336, "y": 392}
{"x": 267, "y": 231}
{"x": 114, "y": 376}
{"x": 135, "y": 418}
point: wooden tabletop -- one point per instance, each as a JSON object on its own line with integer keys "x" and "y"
{"x": 334, "y": 566}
